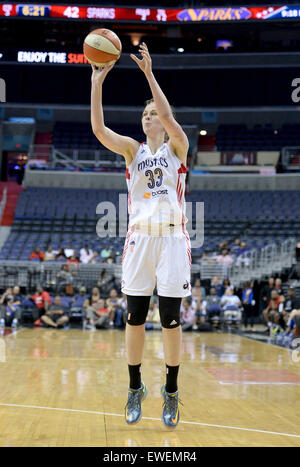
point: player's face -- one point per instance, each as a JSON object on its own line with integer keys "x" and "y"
{"x": 150, "y": 121}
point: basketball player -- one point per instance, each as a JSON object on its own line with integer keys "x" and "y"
{"x": 157, "y": 246}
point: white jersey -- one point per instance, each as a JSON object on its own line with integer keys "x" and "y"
{"x": 156, "y": 187}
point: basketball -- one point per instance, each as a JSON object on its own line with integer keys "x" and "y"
{"x": 102, "y": 47}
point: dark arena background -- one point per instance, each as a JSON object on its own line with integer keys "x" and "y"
{"x": 232, "y": 73}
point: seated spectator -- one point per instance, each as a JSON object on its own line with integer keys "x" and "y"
{"x": 198, "y": 289}
{"x": 224, "y": 259}
{"x": 231, "y": 304}
{"x": 42, "y": 301}
{"x": 212, "y": 304}
{"x": 80, "y": 300}
{"x": 248, "y": 304}
{"x": 242, "y": 260}
{"x": 105, "y": 252}
{"x": 37, "y": 254}
{"x": 105, "y": 282}
{"x": 188, "y": 315}
{"x": 85, "y": 254}
{"x": 216, "y": 283}
{"x": 10, "y": 307}
{"x": 98, "y": 315}
{"x": 64, "y": 279}
{"x": 69, "y": 251}
{"x": 56, "y": 316}
{"x": 290, "y": 301}
{"x": 60, "y": 256}
{"x": 153, "y": 317}
{"x": 277, "y": 286}
{"x": 49, "y": 254}
{"x": 116, "y": 312}
{"x": 95, "y": 296}
{"x": 270, "y": 314}
{"x": 235, "y": 247}
{"x": 122, "y": 304}
{"x": 94, "y": 258}
{"x": 265, "y": 294}
{"x": 73, "y": 259}
{"x": 111, "y": 258}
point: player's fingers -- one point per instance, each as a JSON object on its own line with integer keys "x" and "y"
{"x": 137, "y": 60}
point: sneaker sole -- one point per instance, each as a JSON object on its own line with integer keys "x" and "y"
{"x": 143, "y": 398}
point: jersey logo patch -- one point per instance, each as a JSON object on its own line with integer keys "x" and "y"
{"x": 147, "y": 195}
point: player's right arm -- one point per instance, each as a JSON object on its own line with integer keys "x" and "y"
{"x": 119, "y": 144}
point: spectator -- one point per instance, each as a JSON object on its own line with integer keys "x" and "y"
{"x": 105, "y": 252}
{"x": 98, "y": 315}
{"x": 93, "y": 259}
{"x": 278, "y": 286}
{"x": 188, "y": 315}
{"x": 212, "y": 304}
{"x": 105, "y": 282}
{"x": 226, "y": 283}
{"x": 65, "y": 279}
{"x": 49, "y": 254}
{"x": 290, "y": 301}
{"x": 111, "y": 258}
{"x": 80, "y": 300}
{"x": 42, "y": 302}
{"x": 242, "y": 260}
{"x": 248, "y": 304}
{"x": 56, "y": 316}
{"x": 85, "y": 254}
{"x": 69, "y": 251}
{"x": 112, "y": 303}
{"x": 10, "y": 307}
{"x": 60, "y": 256}
{"x": 73, "y": 259}
{"x": 37, "y": 254}
{"x": 224, "y": 259}
{"x": 198, "y": 289}
{"x": 220, "y": 289}
{"x": 272, "y": 310}
{"x": 230, "y": 304}
{"x": 153, "y": 317}
{"x": 94, "y": 297}
{"x": 265, "y": 295}
{"x": 235, "y": 247}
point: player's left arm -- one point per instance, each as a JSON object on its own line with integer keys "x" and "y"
{"x": 178, "y": 140}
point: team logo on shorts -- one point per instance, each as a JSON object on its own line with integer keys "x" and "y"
{"x": 147, "y": 195}
{"x": 132, "y": 244}
{"x": 186, "y": 285}
{"x": 122, "y": 283}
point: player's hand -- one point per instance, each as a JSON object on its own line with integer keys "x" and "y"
{"x": 145, "y": 64}
{"x": 99, "y": 73}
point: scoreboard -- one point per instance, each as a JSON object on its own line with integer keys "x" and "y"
{"x": 156, "y": 15}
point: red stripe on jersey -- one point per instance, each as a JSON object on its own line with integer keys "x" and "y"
{"x": 127, "y": 174}
{"x": 182, "y": 169}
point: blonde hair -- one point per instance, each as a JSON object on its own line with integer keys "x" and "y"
{"x": 151, "y": 101}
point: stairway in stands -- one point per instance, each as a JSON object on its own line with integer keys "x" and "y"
{"x": 12, "y": 195}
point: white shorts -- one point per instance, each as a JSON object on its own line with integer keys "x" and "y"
{"x": 161, "y": 261}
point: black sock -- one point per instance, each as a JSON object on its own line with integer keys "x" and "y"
{"x": 135, "y": 376}
{"x": 171, "y": 379}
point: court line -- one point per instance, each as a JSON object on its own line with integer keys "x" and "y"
{"x": 151, "y": 418}
{"x": 260, "y": 382}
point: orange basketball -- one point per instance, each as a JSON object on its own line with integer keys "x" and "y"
{"x": 102, "y": 47}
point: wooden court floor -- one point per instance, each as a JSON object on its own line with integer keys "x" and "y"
{"x": 69, "y": 388}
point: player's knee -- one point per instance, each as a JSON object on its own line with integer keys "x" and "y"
{"x": 137, "y": 310}
{"x": 169, "y": 310}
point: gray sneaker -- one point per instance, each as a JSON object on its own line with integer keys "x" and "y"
{"x": 170, "y": 415}
{"x": 133, "y": 408}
